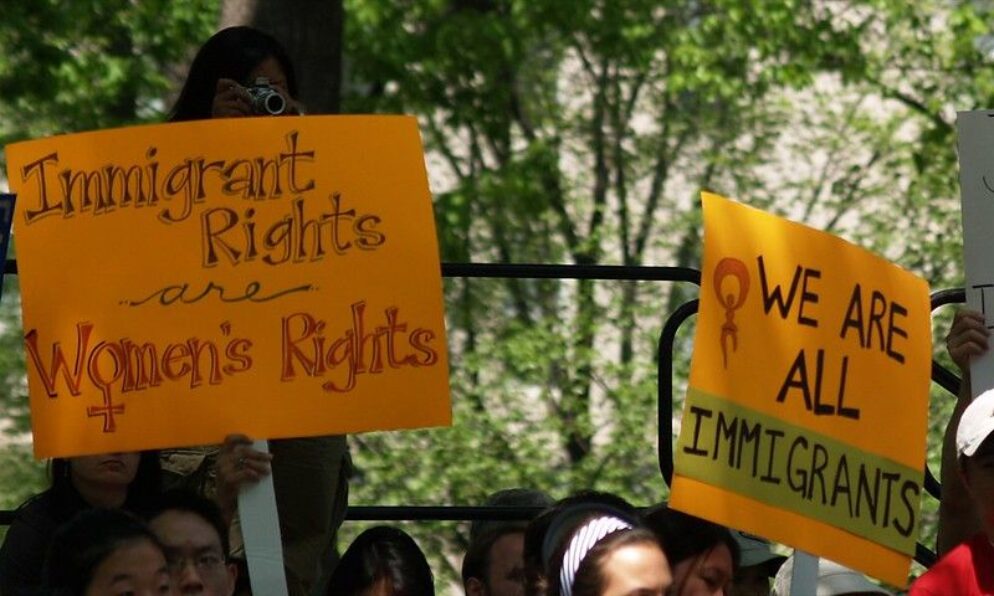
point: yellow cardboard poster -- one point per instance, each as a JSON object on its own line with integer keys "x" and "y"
{"x": 807, "y": 406}
{"x": 277, "y": 277}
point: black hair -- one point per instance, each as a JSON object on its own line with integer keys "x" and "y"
{"x": 187, "y": 501}
{"x": 80, "y": 546}
{"x": 476, "y": 563}
{"x": 484, "y": 533}
{"x": 511, "y": 497}
{"x": 231, "y": 53}
{"x": 383, "y": 553}
{"x": 535, "y": 534}
{"x": 143, "y": 489}
{"x": 684, "y": 536}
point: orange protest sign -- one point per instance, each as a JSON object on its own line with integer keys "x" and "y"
{"x": 277, "y": 277}
{"x": 807, "y": 406}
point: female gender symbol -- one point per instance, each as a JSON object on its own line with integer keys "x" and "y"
{"x": 737, "y": 269}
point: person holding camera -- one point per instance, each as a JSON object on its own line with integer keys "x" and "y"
{"x": 240, "y": 72}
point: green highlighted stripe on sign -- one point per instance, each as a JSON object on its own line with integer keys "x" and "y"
{"x": 789, "y": 467}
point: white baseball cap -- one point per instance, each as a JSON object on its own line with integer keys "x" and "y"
{"x": 833, "y": 580}
{"x": 976, "y": 424}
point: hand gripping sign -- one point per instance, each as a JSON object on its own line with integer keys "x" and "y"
{"x": 277, "y": 277}
{"x": 806, "y": 412}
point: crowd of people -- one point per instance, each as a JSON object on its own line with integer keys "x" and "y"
{"x": 590, "y": 543}
{"x": 167, "y": 522}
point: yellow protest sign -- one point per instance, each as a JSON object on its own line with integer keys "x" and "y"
{"x": 807, "y": 406}
{"x": 277, "y": 277}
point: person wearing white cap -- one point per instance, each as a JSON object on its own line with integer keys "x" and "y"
{"x": 968, "y": 569}
{"x": 833, "y": 580}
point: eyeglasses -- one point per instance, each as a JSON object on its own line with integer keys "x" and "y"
{"x": 205, "y": 561}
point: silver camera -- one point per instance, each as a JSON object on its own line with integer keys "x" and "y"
{"x": 266, "y": 99}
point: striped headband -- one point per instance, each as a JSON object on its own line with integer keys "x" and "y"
{"x": 583, "y": 540}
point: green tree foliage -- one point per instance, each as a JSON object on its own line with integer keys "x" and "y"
{"x": 580, "y": 133}
{"x": 570, "y": 132}
{"x": 72, "y": 66}
{"x": 87, "y": 64}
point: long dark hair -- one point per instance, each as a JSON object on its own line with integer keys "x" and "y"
{"x": 81, "y": 545}
{"x": 231, "y": 53}
{"x": 144, "y": 489}
{"x": 383, "y": 553}
{"x": 684, "y": 536}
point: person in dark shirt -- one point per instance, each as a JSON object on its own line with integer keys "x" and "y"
{"x": 310, "y": 475}
{"x": 111, "y": 481}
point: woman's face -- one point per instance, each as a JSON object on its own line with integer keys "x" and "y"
{"x": 709, "y": 573}
{"x": 136, "y": 568}
{"x": 109, "y": 468}
{"x": 636, "y": 570}
{"x": 270, "y": 69}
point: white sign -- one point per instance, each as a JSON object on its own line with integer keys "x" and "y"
{"x": 976, "y": 180}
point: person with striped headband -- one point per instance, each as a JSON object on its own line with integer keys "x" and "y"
{"x": 592, "y": 549}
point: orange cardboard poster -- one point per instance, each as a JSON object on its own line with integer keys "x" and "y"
{"x": 277, "y": 277}
{"x": 806, "y": 412}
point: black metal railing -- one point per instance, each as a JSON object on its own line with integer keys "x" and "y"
{"x": 673, "y": 323}
{"x": 492, "y": 271}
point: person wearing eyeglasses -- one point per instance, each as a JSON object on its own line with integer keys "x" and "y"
{"x": 195, "y": 540}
